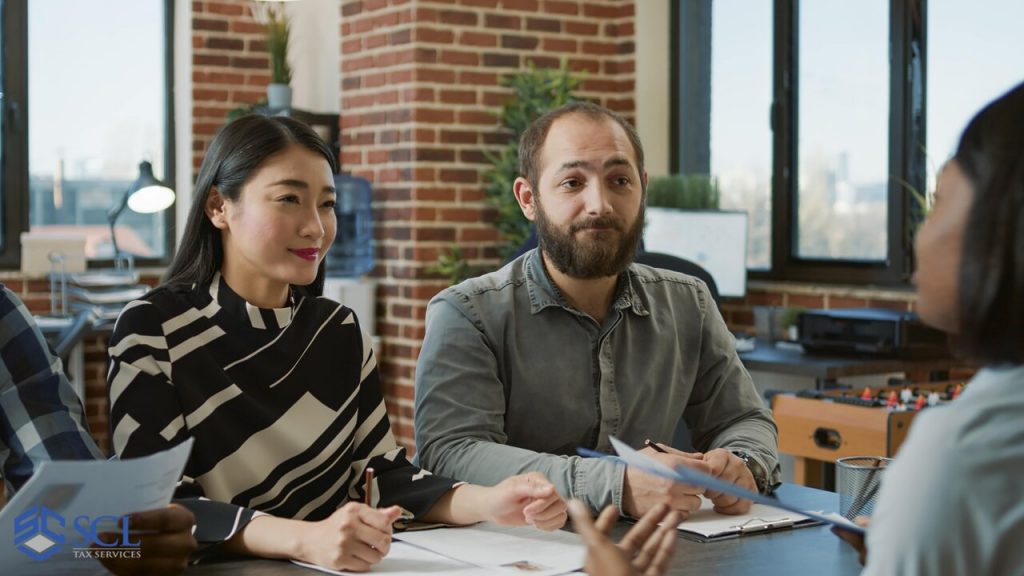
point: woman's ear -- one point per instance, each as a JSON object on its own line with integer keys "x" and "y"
{"x": 216, "y": 209}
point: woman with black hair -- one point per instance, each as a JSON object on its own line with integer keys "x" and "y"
{"x": 277, "y": 385}
{"x": 953, "y": 500}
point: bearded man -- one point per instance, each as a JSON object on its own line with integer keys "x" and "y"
{"x": 573, "y": 342}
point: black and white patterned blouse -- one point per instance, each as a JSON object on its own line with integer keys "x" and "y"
{"x": 284, "y": 406}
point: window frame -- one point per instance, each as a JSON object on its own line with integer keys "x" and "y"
{"x": 690, "y": 135}
{"x": 16, "y": 127}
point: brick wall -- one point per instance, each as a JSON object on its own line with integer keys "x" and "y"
{"x": 420, "y": 85}
{"x": 230, "y": 66}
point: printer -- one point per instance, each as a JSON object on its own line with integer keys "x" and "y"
{"x": 873, "y": 331}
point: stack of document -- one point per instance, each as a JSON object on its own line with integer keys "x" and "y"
{"x": 43, "y": 520}
{"x": 480, "y": 549}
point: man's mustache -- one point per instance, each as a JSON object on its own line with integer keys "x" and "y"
{"x": 600, "y": 222}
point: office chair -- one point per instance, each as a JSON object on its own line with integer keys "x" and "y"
{"x": 677, "y": 264}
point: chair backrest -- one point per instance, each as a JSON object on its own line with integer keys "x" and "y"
{"x": 677, "y": 264}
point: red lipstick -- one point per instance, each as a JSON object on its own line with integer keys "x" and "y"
{"x": 310, "y": 254}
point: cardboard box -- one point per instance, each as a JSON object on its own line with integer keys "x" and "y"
{"x": 37, "y": 248}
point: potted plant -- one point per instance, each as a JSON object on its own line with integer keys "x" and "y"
{"x": 683, "y": 192}
{"x": 534, "y": 92}
{"x": 279, "y": 91}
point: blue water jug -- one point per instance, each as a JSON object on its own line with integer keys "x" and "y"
{"x": 352, "y": 252}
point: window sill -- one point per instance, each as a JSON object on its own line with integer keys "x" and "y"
{"x": 907, "y": 294}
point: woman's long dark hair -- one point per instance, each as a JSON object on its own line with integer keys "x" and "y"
{"x": 238, "y": 149}
{"x": 991, "y": 295}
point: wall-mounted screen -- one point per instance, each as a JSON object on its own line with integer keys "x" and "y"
{"x": 715, "y": 239}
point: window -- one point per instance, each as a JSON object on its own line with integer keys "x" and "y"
{"x": 973, "y": 56}
{"x": 843, "y": 111}
{"x": 741, "y": 98}
{"x": 98, "y": 104}
{"x": 811, "y": 112}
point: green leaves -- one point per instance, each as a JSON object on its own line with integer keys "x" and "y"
{"x": 278, "y": 29}
{"x": 683, "y": 191}
{"x": 534, "y": 92}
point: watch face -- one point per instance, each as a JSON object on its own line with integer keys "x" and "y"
{"x": 760, "y": 477}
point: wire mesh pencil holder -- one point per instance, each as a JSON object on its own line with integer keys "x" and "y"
{"x": 858, "y": 479}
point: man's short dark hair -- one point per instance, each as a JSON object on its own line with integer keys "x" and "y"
{"x": 532, "y": 140}
{"x": 991, "y": 306}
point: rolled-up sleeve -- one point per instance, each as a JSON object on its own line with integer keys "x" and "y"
{"x": 725, "y": 410}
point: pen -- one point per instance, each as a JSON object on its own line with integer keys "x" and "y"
{"x": 368, "y": 494}
{"x": 657, "y": 447}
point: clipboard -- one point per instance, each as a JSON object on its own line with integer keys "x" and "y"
{"x": 706, "y": 525}
{"x": 635, "y": 459}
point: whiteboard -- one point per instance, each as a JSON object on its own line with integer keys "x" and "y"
{"x": 715, "y": 239}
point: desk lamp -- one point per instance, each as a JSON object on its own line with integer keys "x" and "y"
{"x": 146, "y": 195}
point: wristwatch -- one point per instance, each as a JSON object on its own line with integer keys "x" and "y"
{"x": 756, "y": 470}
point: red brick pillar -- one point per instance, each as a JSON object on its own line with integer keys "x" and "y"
{"x": 230, "y": 67}
{"x": 420, "y": 86}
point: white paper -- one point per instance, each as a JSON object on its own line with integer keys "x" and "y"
{"x": 711, "y": 524}
{"x": 685, "y": 475}
{"x": 505, "y": 549}
{"x": 92, "y": 488}
{"x": 407, "y": 560}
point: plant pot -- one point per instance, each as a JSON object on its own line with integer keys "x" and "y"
{"x": 279, "y": 96}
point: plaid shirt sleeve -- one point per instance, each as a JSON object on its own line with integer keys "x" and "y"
{"x": 41, "y": 417}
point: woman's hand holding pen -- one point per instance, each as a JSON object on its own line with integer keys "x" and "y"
{"x": 354, "y": 537}
{"x": 642, "y": 492}
{"x": 527, "y": 499}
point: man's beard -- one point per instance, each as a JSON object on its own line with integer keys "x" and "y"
{"x": 599, "y": 256}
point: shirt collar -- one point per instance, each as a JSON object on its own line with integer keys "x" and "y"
{"x": 543, "y": 292}
{"x": 239, "y": 309}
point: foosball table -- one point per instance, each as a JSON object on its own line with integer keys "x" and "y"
{"x": 819, "y": 426}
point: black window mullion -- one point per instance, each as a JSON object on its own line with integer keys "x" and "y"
{"x": 908, "y": 160}
{"x": 15, "y": 129}
{"x": 170, "y": 152}
{"x": 784, "y": 125}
